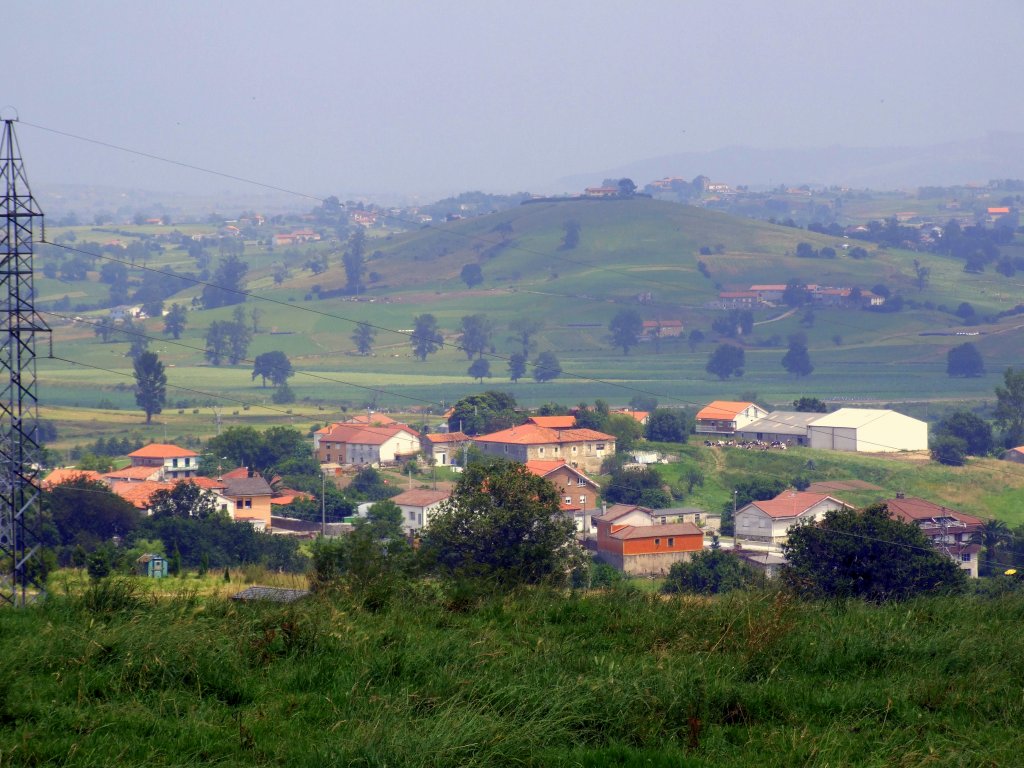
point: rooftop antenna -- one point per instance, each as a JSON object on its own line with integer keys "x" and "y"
{"x": 20, "y": 452}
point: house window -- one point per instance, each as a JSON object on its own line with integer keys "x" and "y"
{"x": 662, "y": 519}
{"x": 248, "y": 503}
{"x": 540, "y": 451}
{"x": 506, "y": 449}
{"x": 657, "y": 542}
{"x": 238, "y": 503}
{"x": 568, "y": 499}
{"x": 583, "y": 500}
{"x": 671, "y": 542}
{"x": 575, "y": 448}
{"x": 174, "y": 462}
{"x": 600, "y": 446}
{"x": 187, "y": 460}
{"x": 965, "y": 557}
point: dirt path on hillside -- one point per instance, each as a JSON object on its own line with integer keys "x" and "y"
{"x": 783, "y": 316}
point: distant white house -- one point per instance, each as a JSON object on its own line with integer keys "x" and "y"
{"x": 868, "y": 430}
{"x": 725, "y": 417}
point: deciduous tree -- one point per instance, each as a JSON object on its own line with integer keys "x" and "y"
{"x": 175, "y": 321}
{"x": 504, "y": 525}
{"x": 727, "y": 360}
{"x": 274, "y": 366}
{"x": 150, "y": 384}
{"x": 546, "y": 367}
{"x": 426, "y": 338}
{"x": 866, "y": 555}
{"x": 363, "y": 337}
{"x": 625, "y": 328}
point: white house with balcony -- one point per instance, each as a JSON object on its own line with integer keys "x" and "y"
{"x": 726, "y": 417}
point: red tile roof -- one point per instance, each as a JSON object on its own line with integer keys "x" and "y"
{"x": 531, "y": 434}
{"x": 287, "y": 496}
{"x": 792, "y": 503}
{"x": 722, "y": 409}
{"x": 554, "y": 422}
{"x": 420, "y": 497}
{"x": 132, "y": 473}
{"x": 139, "y": 494}
{"x": 61, "y": 475}
{"x": 616, "y": 511}
{"x": 652, "y": 531}
{"x": 355, "y": 434}
{"x": 235, "y": 474}
{"x": 161, "y": 451}
{"x": 447, "y": 437}
{"x": 544, "y": 467}
{"x": 913, "y": 509}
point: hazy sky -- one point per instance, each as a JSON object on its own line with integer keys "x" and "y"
{"x": 434, "y": 98}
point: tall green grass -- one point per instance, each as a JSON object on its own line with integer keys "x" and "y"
{"x": 537, "y": 678}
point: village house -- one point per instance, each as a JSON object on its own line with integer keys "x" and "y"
{"x": 726, "y": 417}
{"x": 950, "y": 532}
{"x": 247, "y": 499}
{"x": 641, "y": 416}
{"x": 365, "y": 444}
{"x": 629, "y": 540}
{"x": 173, "y": 462}
{"x": 1016, "y": 455}
{"x": 583, "y": 449}
{"x": 577, "y": 493}
{"x": 444, "y": 449}
{"x": 661, "y": 329}
{"x": 418, "y": 505}
{"x": 771, "y": 519}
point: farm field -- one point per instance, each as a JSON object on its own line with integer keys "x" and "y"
{"x": 626, "y": 248}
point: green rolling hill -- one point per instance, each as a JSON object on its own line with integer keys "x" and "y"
{"x": 626, "y": 249}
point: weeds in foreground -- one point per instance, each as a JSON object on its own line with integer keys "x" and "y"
{"x": 114, "y": 676}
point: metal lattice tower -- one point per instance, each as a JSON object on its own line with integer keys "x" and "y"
{"x": 19, "y": 414}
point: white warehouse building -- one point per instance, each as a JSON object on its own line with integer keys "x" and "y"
{"x": 868, "y": 430}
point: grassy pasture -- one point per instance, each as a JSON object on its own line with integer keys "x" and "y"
{"x": 116, "y": 677}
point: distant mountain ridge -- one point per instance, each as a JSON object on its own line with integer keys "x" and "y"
{"x": 998, "y": 155}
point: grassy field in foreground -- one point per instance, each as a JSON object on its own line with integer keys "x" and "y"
{"x": 539, "y": 679}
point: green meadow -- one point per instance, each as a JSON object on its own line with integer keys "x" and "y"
{"x": 113, "y": 675}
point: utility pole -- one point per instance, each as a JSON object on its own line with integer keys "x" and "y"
{"x": 20, "y": 452}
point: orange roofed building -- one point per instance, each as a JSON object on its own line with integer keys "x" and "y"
{"x": 770, "y": 520}
{"x": 628, "y": 539}
{"x": 175, "y": 463}
{"x": 577, "y": 492}
{"x": 725, "y": 417}
{"x": 580, "y": 448}
{"x": 61, "y": 475}
{"x": 366, "y": 443}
